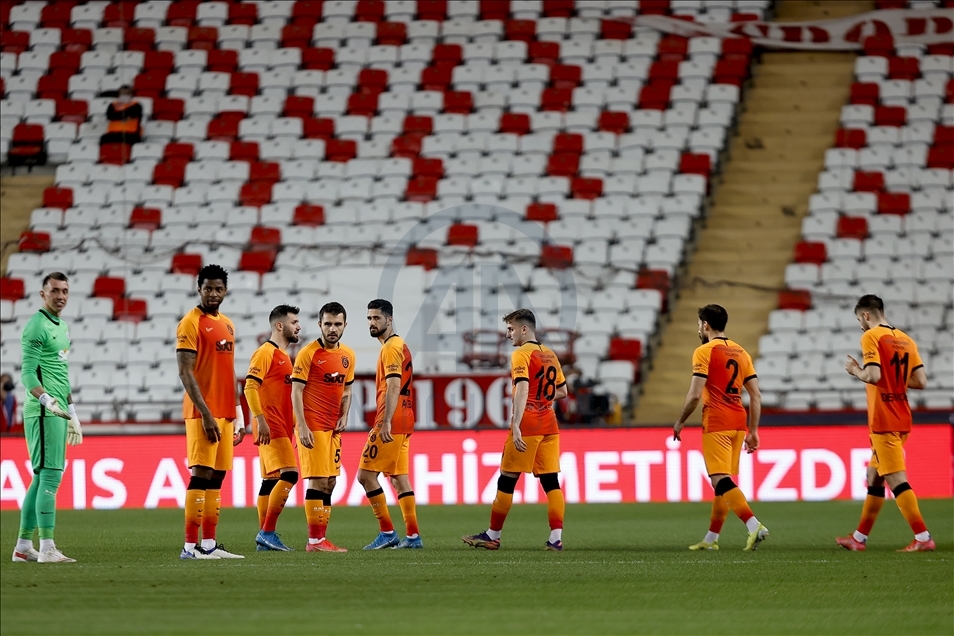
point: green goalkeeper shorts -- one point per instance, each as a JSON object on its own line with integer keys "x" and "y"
{"x": 46, "y": 441}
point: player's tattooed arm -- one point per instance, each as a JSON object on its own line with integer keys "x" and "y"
{"x": 186, "y": 362}
{"x": 345, "y": 408}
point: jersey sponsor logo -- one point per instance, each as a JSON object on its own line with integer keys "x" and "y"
{"x": 183, "y": 339}
{"x": 520, "y": 370}
{"x": 297, "y": 370}
{"x": 334, "y": 378}
{"x": 224, "y": 346}
{"x": 870, "y": 355}
{"x": 394, "y": 368}
{"x": 254, "y": 370}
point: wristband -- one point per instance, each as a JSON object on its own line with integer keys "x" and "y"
{"x": 72, "y": 409}
{"x": 46, "y": 400}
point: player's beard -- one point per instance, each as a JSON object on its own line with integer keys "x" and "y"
{"x": 292, "y": 338}
{"x": 375, "y": 332}
{"x": 703, "y": 338}
{"x": 332, "y": 339}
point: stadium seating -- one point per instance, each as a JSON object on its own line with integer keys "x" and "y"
{"x": 310, "y": 148}
{"x": 881, "y": 222}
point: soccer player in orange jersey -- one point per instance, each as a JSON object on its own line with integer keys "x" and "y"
{"x": 721, "y": 368}
{"x": 205, "y": 353}
{"x": 390, "y": 440}
{"x": 321, "y": 395}
{"x": 533, "y": 444}
{"x": 892, "y": 365}
{"x": 268, "y": 393}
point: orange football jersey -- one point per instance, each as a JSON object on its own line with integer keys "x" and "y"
{"x": 726, "y": 366}
{"x": 212, "y": 339}
{"x": 271, "y": 368}
{"x": 325, "y": 373}
{"x": 534, "y": 363}
{"x": 395, "y": 361}
{"x": 897, "y": 355}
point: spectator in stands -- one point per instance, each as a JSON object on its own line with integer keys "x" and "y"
{"x": 125, "y": 119}
{"x": 8, "y": 402}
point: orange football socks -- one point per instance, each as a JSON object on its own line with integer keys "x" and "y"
{"x": 720, "y": 510}
{"x": 869, "y": 512}
{"x": 556, "y": 506}
{"x": 409, "y": 512}
{"x": 736, "y": 501}
{"x": 379, "y": 506}
{"x": 194, "y": 504}
{"x": 500, "y": 509}
{"x": 276, "y": 503}
{"x": 210, "y": 516}
{"x": 908, "y": 505}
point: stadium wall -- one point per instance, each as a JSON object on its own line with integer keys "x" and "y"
{"x": 819, "y": 462}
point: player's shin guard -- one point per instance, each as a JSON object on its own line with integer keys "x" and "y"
{"x": 262, "y": 504}
{"x": 870, "y": 509}
{"x": 409, "y": 512}
{"x": 194, "y": 506}
{"x": 720, "y": 510}
{"x": 908, "y": 505}
{"x": 46, "y": 502}
{"x": 317, "y": 513}
{"x": 379, "y": 506}
{"x": 502, "y": 502}
{"x": 210, "y": 515}
{"x": 277, "y": 499}
{"x": 733, "y": 496}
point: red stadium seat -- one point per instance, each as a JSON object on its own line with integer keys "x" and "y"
{"x": 625, "y": 349}
{"x": 654, "y": 97}
{"x": 556, "y": 99}
{"x": 447, "y": 55}
{"x": 243, "y": 151}
{"x": 306, "y": 13}
{"x": 178, "y": 151}
{"x": 260, "y": 262}
{"x": 309, "y": 215}
{"x": 65, "y": 61}
{"x": 182, "y": 14}
{"x": 673, "y": 48}
{"x": 418, "y": 125}
{"x": 542, "y": 212}
{"x": 204, "y": 38}
{"x": 657, "y": 279}
{"x": 904, "y": 68}
{"x": 544, "y": 53}
{"x": 369, "y": 11}
{"x": 851, "y": 138}
{"x": 139, "y": 39}
{"x": 265, "y": 172}
{"x": 72, "y": 110}
{"x": 558, "y": 9}
{"x": 56, "y": 15}
{"x": 244, "y": 84}
{"x": 586, "y": 188}
{"x": 166, "y": 109}
{"x": 427, "y": 167}
{"x": 949, "y": 90}
{"x": 406, "y": 146}
{"x": 615, "y": 30}
{"x": 170, "y": 172}
{"x": 391, "y": 34}
{"x": 319, "y": 59}
{"x": 737, "y": 48}
{"x": 265, "y": 239}
{"x": 225, "y": 61}
{"x": 318, "y": 127}
{"x": 421, "y": 257}
{"x": 61, "y": 198}
{"x": 865, "y": 93}
{"x": 568, "y": 143}
{"x": 115, "y": 154}
{"x": 879, "y": 45}
{"x": 494, "y": 9}
{"x": 944, "y": 136}
{"x": 942, "y": 48}
{"x": 894, "y": 203}
{"x": 34, "y": 242}
{"x": 436, "y": 78}
{"x": 186, "y": 264}
{"x": 520, "y": 30}
{"x": 614, "y": 122}
{"x": 463, "y": 234}
{"x": 363, "y": 104}
{"x": 695, "y": 164}
{"x": 299, "y": 106}
{"x": 27, "y": 146}
{"x": 515, "y": 123}
{"x": 654, "y": 7}
{"x": 852, "y": 227}
{"x": 15, "y": 42}
{"x": 432, "y": 10}
{"x": 556, "y": 256}
{"x": 109, "y": 287}
{"x": 565, "y": 76}
{"x": 119, "y": 15}
{"x": 150, "y": 84}
{"x": 145, "y": 218}
{"x": 810, "y": 252}
{"x": 243, "y": 13}
{"x": 255, "y": 194}
{"x": 422, "y": 189}
{"x": 296, "y": 36}
{"x": 941, "y": 157}
{"x": 341, "y": 150}
{"x": 224, "y": 128}
{"x": 53, "y": 86}
{"x": 664, "y": 73}
{"x": 797, "y": 299}
{"x": 730, "y": 71}
{"x": 371, "y": 80}
{"x": 12, "y": 288}
{"x": 461, "y": 102}
{"x": 130, "y": 309}
{"x": 868, "y": 181}
{"x": 563, "y": 164}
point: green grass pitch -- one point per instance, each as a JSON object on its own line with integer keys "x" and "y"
{"x": 626, "y": 569}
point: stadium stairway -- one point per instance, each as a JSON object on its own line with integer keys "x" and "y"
{"x": 19, "y": 196}
{"x": 791, "y": 112}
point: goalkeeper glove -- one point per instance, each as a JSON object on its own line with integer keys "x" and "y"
{"x": 74, "y": 432}
{"x": 50, "y": 404}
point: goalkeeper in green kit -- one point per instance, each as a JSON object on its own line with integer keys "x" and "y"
{"x": 49, "y": 419}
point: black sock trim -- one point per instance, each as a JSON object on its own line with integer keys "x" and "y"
{"x": 215, "y": 481}
{"x": 901, "y": 488}
{"x": 375, "y": 493}
{"x": 725, "y": 485}
{"x": 409, "y": 493}
{"x": 549, "y": 481}
{"x": 268, "y": 485}
{"x": 507, "y": 484}
{"x": 325, "y": 497}
{"x": 313, "y": 495}
{"x": 876, "y": 491}
{"x": 198, "y": 483}
{"x": 290, "y": 477}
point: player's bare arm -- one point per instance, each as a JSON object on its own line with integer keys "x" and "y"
{"x": 560, "y": 392}
{"x": 692, "y": 401}
{"x": 521, "y": 391}
{"x": 918, "y": 379}
{"x": 305, "y": 436}
{"x": 345, "y": 408}
{"x": 755, "y": 413}
{"x": 871, "y": 374}
{"x": 186, "y": 362}
{"x": 391, "y": 397}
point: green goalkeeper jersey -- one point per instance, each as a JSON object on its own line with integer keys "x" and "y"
{"x": 46, "y": 350}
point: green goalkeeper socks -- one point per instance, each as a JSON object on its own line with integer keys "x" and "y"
{"x": 39, "y": 505}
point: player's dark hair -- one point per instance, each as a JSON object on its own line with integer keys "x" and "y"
{"x": 869, "y": 302}
{"x": 213, "y": 272}
{"x": 280, "y": 312}
{"x": 715, "y": 315}
{"x": 384, "y": 306}
{"x": 523, "y": 316}
{"x": 54, "y": 276}
{"x": 334, "y": 309}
